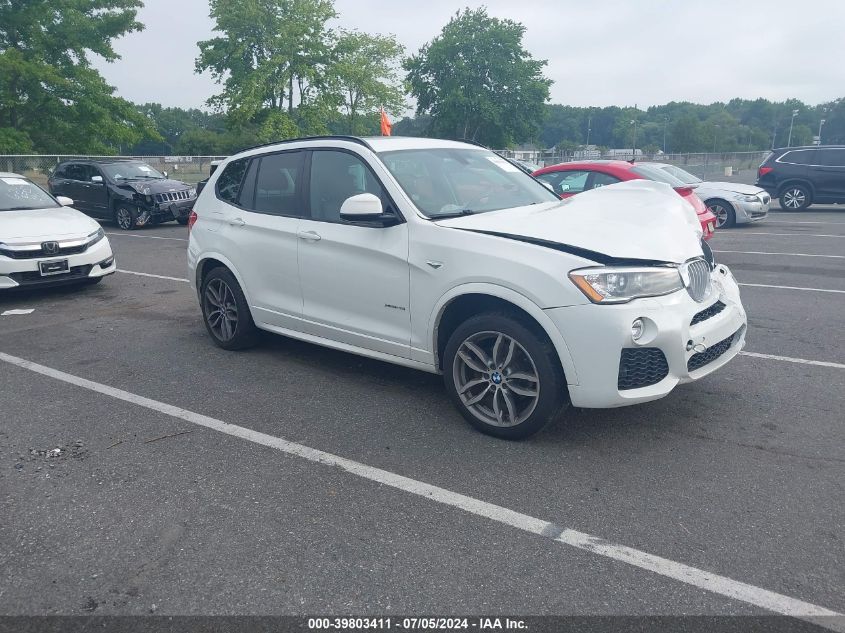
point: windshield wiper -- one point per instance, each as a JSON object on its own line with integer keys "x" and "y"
{"x": 452, "y": 214}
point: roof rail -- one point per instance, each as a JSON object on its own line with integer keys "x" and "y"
{"x": 327, "y": 137}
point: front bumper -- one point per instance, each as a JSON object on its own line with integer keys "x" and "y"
{"x": 166, "y": 211}
{"x": 597, "y": 335}
{"x": 751, "y": 211}
{"x": 97, "y": 261}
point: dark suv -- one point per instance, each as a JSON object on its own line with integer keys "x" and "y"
{"x": 129, "y": 192}
{"x": 801, "y": 176}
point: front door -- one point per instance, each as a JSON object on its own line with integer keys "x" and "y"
{"x": 355, "y": 278}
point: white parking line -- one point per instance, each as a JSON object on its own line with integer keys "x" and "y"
{"x": 803, "y": 222}
{"x": 793, "y": 288}
{"x": 132, "y": 272}
{"x": 700, "y": 578}
{"x": 741, "y": 233}
{"x": 786, "y": 254}
{"x": 148, "y": 237}
{"x": 789, "y": 359}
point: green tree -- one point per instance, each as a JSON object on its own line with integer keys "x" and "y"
{"x": 270, "y": 53}
{"x": 365, "y": 75}
{"x": 478, "y": 82}
{"x": 51, "y": 99}
{"x": 687, "y": 135}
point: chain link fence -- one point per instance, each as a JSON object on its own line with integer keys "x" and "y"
{"x": 707, "y": 166}
{"x": 192, "y": 169}
{"x": 189, "y": 169}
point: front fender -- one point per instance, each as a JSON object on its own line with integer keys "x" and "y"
{"x": 517, "y": 299}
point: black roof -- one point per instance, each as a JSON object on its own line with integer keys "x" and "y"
{"x": 783, "y": 149}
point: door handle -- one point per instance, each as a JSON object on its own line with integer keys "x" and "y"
{"x": 309, "y": 236}
{"x": 237, "y": 222}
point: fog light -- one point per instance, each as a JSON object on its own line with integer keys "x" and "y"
{"x": 637, "y": 329}
{"x": 106, "y": 263}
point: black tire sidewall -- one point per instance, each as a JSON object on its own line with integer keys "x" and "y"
{"x": 132, "y": 213}
{"x": 808, "y": 198}
{"x": 246, "y": 334}
{"x": 553, "y": 390}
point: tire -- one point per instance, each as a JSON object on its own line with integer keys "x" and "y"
{"x": 182, "y": 221}
{"x": 506, "y": 405}
{"x": 724, "y": 212}
{"x": 126, "y": 217}
{"x": 225, "y": 311}
{"x": 796, "y": 198}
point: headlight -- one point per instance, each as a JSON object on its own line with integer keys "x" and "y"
{"x": 96, "y": 236}
{"x": 745, "y": 198}
{"x": 192, "y": 193}
{"x": 620, "y": 285}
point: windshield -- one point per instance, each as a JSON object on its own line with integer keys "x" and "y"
{"x": 131, "y": 171}
{"x": 449, "y": 182}
{"x": 20, "y": 194}
{"x": 682, "y": 175}
{"x": 650, "y": 172}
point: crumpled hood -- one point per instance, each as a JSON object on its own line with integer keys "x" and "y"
{"x": 735, "y": 187}
{"x": 638, "y": 219}
{"x": 148, "y": 187}
{"x": 21, "y": 227}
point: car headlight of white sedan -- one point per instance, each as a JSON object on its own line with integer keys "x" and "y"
{"x": 745, "y": 198}
{"x": 623, "y": 284}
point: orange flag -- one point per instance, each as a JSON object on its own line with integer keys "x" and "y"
{"x": 386, "y": 125}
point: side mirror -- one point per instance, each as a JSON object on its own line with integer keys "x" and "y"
{"x": 97, "y": 180}
{"x": 65, "y": 202}
{"x": 364, "y": 206}
{"x": 164, "y": 173}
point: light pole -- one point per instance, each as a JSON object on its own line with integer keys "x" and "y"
{"x": 665, "y": 122}
{"x": 589, "y": 122}
{"x": 791, "y": 121}
{"x": 715, "y": 134}
{"x": 634, "y": 154}
{"x": 821, "y": 123}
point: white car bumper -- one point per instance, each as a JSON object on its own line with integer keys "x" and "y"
{"x": 97, "y": 261}
{"x": 613, "y": 370}
{"x": 751, "y": 211}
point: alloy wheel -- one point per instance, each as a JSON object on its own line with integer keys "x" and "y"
{"x": 124, "y": 218}
{"x": 221, "y": 309}
{"x": 496, "y": 379}
{"x": 794, "y": 198}
{"x": 721, "y": 214}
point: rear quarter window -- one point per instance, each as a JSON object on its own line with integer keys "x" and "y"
{"x": 229, "y": 182}
{"x": 800, "y": 157}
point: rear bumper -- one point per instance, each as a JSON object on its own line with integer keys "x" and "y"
{"x": 597, "y": 335}
{"x": 97, "y": 261}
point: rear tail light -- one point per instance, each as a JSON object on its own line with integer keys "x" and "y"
{"x": 684, "y": 191}
{"x": 762, "y": 171}
{"x": 192, "y": 219}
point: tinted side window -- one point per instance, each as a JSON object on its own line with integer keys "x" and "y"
{"x": 59, "y": 172}
{"x": 801, "y": 157}
{"x": 75, "y": 171}
{"x": 832, "y": 157}
{"x": 602, "y": 180}
{"x": 566, "y": 181}
{"x": 229, "y": 183}
{"x": 279, "y": 183}
{"x": 336, "y": 176}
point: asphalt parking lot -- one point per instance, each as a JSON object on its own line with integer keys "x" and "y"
{"x": 149, "y": 509}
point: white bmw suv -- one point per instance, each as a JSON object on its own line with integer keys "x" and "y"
{"x": 443, "y": 256}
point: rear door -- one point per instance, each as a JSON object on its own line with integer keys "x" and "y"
{"x": 263, "y": 208}
{"x": 830, "y": 174}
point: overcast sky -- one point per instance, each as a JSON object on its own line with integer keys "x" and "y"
{"x": 600, "y": 52}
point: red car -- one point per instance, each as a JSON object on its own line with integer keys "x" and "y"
{"x": 567, "y": 179}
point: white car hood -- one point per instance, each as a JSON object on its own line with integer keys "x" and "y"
{"x": 20, "y": 227}
{"x": 733, "y": 187}
{"x": 638, "y": 219}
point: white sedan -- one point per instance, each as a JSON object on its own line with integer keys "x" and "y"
{"x": 45, "y": 242}
{"x": 731, "y": 202}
